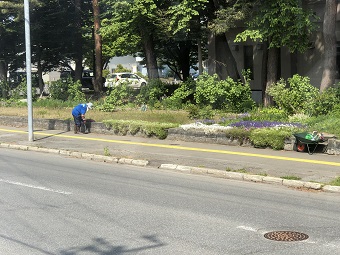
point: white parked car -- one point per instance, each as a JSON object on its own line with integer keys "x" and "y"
{"x": 132, "y": 79}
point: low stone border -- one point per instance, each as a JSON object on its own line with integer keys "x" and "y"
{"x": 77, "y": 154}
{"x": 252, "y": 178}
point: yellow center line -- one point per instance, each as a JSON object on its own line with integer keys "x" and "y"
{"x": 311, "y": 161}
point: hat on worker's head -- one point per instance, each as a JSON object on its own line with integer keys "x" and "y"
{"x": 89, "y": 105}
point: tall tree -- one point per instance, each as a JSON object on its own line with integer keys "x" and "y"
{"x": 279, "y": 23}
{"x": 130, "y": 27}
{"x": 216, "y": 17}
{"x": 11, "y": 27}
{"x": 98, "y": 83}
{"x": 329, "y": 24}
{"x": 78, "y": 42}
{"x": 183, "y": 45}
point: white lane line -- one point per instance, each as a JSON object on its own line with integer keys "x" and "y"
{"x": 36, "y": 187}
{"x": 247, "y": 228}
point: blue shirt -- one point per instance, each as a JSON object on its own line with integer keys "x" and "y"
{"x": 80, "y": 109}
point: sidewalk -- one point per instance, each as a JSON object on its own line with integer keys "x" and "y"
{"x": 261, "y": 165}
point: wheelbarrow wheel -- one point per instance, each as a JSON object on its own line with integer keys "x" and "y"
{"x": 300, "y": 147}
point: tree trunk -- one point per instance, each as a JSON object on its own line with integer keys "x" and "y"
{"x": 200, "y": 58}
{"x": 78, "y": 42}
{"x": 151, "y": 61}
{"x": 40, "y": 79}
{"x": 264, "y": 71}
{"x": 3, "y": 78}
{"x": 329, "y": 23}
{"x": 184, "y": 61}
{"x": 220, "y": 60}
{"x": 272, "y": 73}
{"x": 98, "y": 82}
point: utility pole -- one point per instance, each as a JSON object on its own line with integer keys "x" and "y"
{"x": 28, "y": 70}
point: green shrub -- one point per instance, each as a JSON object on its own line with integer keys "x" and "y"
{"x": 325, "y": 101}
{"x": 238, "y": 133}
{"x": 325, "y": 124}
{"x": 184, "y": 94}
{"x": 196, "y": 112}
{"x": 267, "y": 114}
{"x": 117, "y": 96}
{"x": 193, "y": 111}
{"x": 297, "y": 96}
{"x": 123, "y": 127}
{"x": 223, "y": 94}
{"x": 153, "y": 92}
{"x": 270, "y": 137}
{"x": 75, "y": 92}
{"x": 59, "y": 89}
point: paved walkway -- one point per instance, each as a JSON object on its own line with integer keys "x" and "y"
{"x": 261, "y": 165}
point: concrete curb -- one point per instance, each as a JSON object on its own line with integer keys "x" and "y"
{"x": 252, "y": 178}
{"x": 77, "y": 154}
{"x": 181, "y": 168}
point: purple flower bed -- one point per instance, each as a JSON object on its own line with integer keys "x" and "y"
{"x": 264, "y": 124}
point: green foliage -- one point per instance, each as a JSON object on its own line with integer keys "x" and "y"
{"x": 184, "y": 94}
{"x": 51, "y": 103}
{"x": 107, "y": 151}
{"x": 58, "y": 89}
{"x": 66, "y": 89}
{"x": 225, "y": 94}
{"x": 298, "y": 97}
{"x": 335, "y": 182}
{"x": 282, "y": 23}
{"x": 325, "y": 123}
{"x": 291, "y": 177}
{"x": 151, "y": 93}
{"x": 196, "y": 112}
{"x": 240, "y": 134}
{"x": 117, "y": 96}
{"x": 124, "y": 127}
{"x": 121, "y": 69}
{"x": 75, "y": 92}
{"x": 184, "y": 12}
{"x": 325, "y": 101}
{"x": 105, "y": 73}
{"x": 270, "y": 137}
{"x": 267, "y": 114}
{"x": 231, "y": 13}
{"x": 20, "y": 91}
{"x": 193, "y": 111}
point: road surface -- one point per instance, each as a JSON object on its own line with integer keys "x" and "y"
{"x": 51, "y": 204}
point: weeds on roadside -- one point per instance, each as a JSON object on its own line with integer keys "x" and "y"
{"x": 335, "y": 182}
{"x": 291, "y": 177}
{"x": 107, "y": 151}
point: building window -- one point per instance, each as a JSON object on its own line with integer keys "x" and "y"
{"x": 248, "y": 60}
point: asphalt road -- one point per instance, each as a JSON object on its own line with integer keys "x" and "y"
{"x": 52, "y": 204}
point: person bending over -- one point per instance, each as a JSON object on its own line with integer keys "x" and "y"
{"x": 78, "y": 114}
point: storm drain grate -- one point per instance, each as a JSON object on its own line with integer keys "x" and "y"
{"x": 286, "y": 236}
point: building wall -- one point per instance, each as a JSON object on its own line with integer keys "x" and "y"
{"x": 128, "y": 62}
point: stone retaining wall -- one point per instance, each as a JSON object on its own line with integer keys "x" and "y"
{"x": 332, "y": 146}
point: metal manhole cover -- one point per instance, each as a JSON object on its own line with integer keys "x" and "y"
{"x": 286, "y": 236}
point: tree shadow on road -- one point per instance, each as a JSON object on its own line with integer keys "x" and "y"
{"x": 101, "y": 247}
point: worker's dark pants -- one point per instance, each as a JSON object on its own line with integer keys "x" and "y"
{"x": 78, "y": 120}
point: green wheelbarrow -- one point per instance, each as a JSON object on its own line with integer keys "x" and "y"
{"x": 307, "y": 141}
